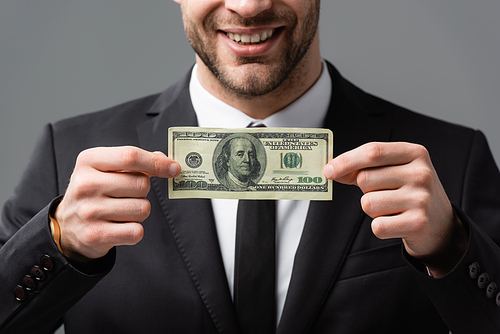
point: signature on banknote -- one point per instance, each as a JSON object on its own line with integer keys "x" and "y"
{"x": 285, "y": 179}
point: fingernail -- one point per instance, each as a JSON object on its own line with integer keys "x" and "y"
{"x": 328, "y": 171}
{"x": 174, "y": 169}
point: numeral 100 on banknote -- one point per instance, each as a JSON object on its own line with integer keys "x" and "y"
{"x": 251, "y": 163}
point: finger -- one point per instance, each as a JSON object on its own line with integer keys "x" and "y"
{"x": 397, "y": 226}
{"x": 96, "y": 239}
{"x": 108, "y": 235}
{"x": 93, "y": 183}
{"x": 130, "y": 159}
{"x": 126, "y": 233}
{"x": 123, "y": 184}
{"x": 381, "y": 178}
{"x": 345, "y": 167}
{"x": 384, "y": 203}
{"x": 124, "y": 210}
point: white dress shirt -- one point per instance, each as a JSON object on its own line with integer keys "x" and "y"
{"x": 308, "y": 111}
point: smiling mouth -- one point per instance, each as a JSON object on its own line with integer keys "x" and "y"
{"x": 247, "y": 39}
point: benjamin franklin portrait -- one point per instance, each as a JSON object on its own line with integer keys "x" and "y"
{"x": 237, "y": 166}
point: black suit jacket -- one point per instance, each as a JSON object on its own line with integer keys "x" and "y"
{"x": 344, "y": 279}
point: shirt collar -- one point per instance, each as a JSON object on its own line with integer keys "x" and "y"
{"x": 308, "y": 111}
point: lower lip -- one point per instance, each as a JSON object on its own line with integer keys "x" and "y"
{"x": 252, "y": 50}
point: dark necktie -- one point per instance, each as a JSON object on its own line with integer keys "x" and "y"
{"x": 254, "y": 270}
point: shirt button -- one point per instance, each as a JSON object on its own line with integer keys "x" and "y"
{"x": 28, "y": 282}
{"x": 37, "y": 273}
{"x": 46, "y": 262}
{"x": 19, "y": 293}
{"x": 483, "y": 280}
{"x": 474, "y": 270}
{"x": 491, "y": 289}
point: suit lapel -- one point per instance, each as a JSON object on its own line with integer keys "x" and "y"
{"x": 190, "y": 220}
{"x": 331, "y": 225}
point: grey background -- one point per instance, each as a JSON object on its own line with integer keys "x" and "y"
{"x": 60, "y": 58}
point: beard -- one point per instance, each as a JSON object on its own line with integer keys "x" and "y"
{"x": 261, "y": 75}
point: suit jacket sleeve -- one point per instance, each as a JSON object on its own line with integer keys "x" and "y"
{"x": 25, "y": 239}
{"x": 468, "y": 298}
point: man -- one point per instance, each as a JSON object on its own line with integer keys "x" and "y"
{"x": 339, "y": 263}
{"x": 237, "y": 166}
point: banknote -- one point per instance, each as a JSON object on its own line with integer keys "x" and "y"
{"x": 250, "y": 163}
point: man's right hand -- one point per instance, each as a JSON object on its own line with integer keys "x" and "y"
{"x": 105, "y": 202}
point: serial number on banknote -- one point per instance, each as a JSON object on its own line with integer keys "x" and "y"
{"x": 250, "y": 163}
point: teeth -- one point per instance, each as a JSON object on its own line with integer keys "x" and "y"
{"x": 250, "y": 39}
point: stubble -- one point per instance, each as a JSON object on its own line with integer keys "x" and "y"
{"x": 264, "y": 76}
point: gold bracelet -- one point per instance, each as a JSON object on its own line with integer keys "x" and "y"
{"x": 56, "y": 232}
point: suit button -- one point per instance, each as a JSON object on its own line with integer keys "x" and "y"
{"x": 37, "y": 273}
{"x": 19, "y": 293}
{"x": 28, "y": 282}
{"x": 491, "y": 289}
{"x": 474, "y": 270}
{"x": 46, "y": 262}
{"x": 483, "y": 280}
{"x": 497, "y": 300}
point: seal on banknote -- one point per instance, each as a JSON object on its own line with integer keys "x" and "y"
{"x": 239, "y": 161}
{"x": 193, "y": 160}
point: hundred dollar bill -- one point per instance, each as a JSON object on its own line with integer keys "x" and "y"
{"x": 250, "y": 163}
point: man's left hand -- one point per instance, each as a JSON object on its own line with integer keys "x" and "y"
{"x": 403, "y": 195}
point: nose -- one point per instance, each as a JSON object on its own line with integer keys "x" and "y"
{"x": 248, "y": 8}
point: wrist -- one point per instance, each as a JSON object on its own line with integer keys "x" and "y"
{"x": 57, "y": 234}
{"x": 451, "y": 252}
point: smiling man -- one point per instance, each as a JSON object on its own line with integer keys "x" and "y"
{"x": 256, "y": 59}
{"x": 408, "y": 245}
